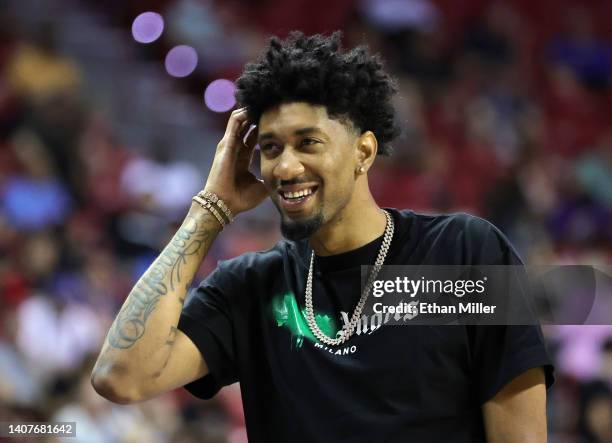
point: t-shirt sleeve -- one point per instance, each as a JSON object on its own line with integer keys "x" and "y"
{"x": 207, "y": 320}
{"x": 502, "y": 353}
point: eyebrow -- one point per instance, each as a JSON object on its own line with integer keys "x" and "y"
{"x": 302, "y": 131}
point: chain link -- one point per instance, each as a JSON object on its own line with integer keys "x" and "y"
{"x": 347, "y": 332}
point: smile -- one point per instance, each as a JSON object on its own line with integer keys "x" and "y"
{"x": 296, "y": 199}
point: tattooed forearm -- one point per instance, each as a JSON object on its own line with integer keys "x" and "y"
{"x": 136, "y": 360}
{"x": 161, "y": 278}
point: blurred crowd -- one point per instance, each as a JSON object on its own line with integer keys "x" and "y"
{"x": 505, "y": 110}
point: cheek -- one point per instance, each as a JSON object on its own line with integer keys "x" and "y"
{"x": 339, "y": 182}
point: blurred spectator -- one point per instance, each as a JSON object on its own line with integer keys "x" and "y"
{"x": 55, "y": 335}
{"x": 582, "y": 50}
{"x": 594, "y": 173}
{"x": 104, "y": 160}
{"x": 34, "y": 198}
{"x": 575, "y": 117}
{"x": 390, "y": 16}
{"x": 222, "y": 42}
{"x": 492, "y": 39}
{"x": 30, "y": 59}
{"x": 606, "y": 360}
{"x": 18, "y": 383}
{"x": 99, "y": 421}
{"x": 161, "y": 185}
{"x": 595, "y": 420}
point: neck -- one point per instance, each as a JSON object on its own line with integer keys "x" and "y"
{"x": 357, "y": 224}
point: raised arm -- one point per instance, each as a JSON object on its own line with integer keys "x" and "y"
{"x": 144, "y": 353}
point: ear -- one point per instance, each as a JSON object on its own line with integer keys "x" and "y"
{"x": 365, "y": 152}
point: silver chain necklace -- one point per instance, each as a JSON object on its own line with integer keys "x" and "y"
{"x": 348, "y": 330}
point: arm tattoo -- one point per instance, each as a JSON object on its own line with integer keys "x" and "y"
{"x": 129, "y": 325}
{"x": 171, "y": 336}
{"x": 169, "y": 342}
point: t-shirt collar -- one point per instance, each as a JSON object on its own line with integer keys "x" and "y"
{"x": 364, "y": 255}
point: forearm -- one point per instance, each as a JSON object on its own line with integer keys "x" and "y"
{"x": 140, "y": 340}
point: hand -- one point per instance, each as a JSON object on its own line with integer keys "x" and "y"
{"x": 229, "y": 176}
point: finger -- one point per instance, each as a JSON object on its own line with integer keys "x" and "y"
{"x": 244, "y": 155}
{"x": 236, "y": 119}
{"x": 244, "y": 130}
{"x": 249, "y": 141}
{"x": 247, "y": 133}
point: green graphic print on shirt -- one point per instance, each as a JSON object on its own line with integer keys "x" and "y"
{"x": 287, "y": 313}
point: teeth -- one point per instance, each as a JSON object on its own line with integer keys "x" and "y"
{"x": 298, "y": 194}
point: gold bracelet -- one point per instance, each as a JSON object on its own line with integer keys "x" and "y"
{"x": 214, "y": 198}
{"x": 210, "y": 208}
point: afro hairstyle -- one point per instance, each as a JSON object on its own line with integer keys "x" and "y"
{"x": 314, "y": 69}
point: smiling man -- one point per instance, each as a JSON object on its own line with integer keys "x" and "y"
{"x": 288, "y": 323}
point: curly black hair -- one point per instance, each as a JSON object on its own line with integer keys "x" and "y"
{"x": 350, "y": 84}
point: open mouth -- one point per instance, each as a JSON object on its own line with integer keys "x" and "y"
{"x": 296, "y": 199}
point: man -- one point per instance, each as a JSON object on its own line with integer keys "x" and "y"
{"x": 269, "y": 319}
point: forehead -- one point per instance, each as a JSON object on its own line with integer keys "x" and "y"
{"x": 288, "y": 117}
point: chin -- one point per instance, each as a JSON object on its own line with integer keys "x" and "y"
{"x": 301, "y": 228}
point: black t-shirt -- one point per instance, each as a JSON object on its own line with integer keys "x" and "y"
{"x": 389, "y": 384}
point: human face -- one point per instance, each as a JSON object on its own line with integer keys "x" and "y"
{"x": 308, "y": 165}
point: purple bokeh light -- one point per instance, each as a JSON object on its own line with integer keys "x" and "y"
{"x": 181, "y": 61}
{"x": 219, "y": 95}
{"x": 147, "y": 27}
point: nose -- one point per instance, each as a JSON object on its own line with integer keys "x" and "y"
{"x": 289, "y": 165}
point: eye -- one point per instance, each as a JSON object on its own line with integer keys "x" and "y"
{"x": 309, "y": 141}
{"x": 268, "y": 148}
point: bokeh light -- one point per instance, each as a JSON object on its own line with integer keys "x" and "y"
{"x": 181, "y": 61}
{"x": 147, "y": 27}
{"x": 219, "y": 95}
